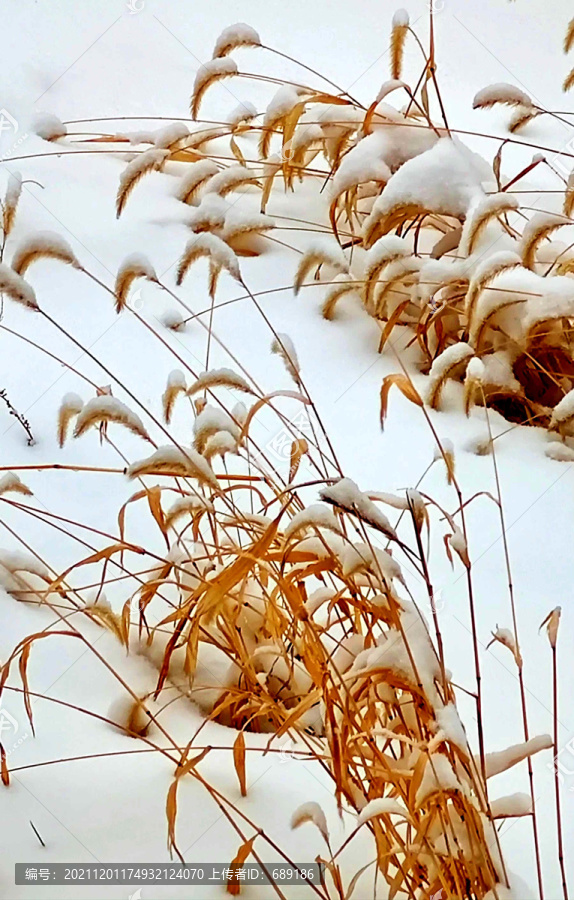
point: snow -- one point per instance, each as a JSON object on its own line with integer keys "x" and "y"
{"x": 228, "y": 179}
{"x": 171, "y": 459}
{"x": 210, "y": 420}
{"x": 281, "y": 104}
{"x": 210, "y": 213}
{"x": 196, "y": 174}
{"x": 401, "y": 19}
{"x": 518, "y": 804}
{"x": 444, "y": 179}
{"x": 503, "y": 759}
{"x": 241, "y": 113}
{"x": 438, "y": 775}
{"x": 107, "y": 409}
{"x": 16, "y": 288}
{"x": 169, "y": 135}
{"x": 381, "y": 806}
{"x": 564, "y": 410}
{"x": 13, "y": 483}
{"x": 346, "y": 494}
{"x": 213, "y": 69}
{"x": 233, "y": 36}
{"x": 446, "y": 361}
{"x": 449, "y": 722}
{"x": 49, "y": 127}
{"x": 317, "y": 515}
{"x": 501, "y": 92}
{"x": 283, "y": 346}
{"x": 42, "y": 243}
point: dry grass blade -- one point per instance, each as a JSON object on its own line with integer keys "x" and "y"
{"x": 406, "y": 388}
{"x": 239, "y": 762}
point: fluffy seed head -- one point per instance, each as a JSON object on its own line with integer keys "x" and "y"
{"x": 70, "y": 407}
{"x": 134, "y": 266}
{"x": 14, "y": 286}
{"x": 239, "y": 35}
{"x": 42, "y": 245}
{"x": 100, "y": 410}
{"x": 148, "y": 161}
{"x": 208, "y": 74}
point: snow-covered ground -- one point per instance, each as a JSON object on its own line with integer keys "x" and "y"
{"x": 107, "y": 58}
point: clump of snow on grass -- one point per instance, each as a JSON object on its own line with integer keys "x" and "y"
{"x": 209, "y": 214}
{"x": 241, "y": 113}
{"x": 318, "y": 515}
{"x": 347, "y": 494}
{"x": 281, "y": 104}
{"x": 502, "y": 760}
{"x": 559, "y": 452}
{"x": 175, "y": 131}
{"x": 49, "y": 127}
{"x": 238, "y": 35}
{"x": 444, "y": 179}
{"x": 449, "y": 722}
{"x": 501, "y": 92}
{"x": 512, "y": 806}
{"x": 381, "y": 806}
{"x": 438, "y": 775}
{"x": 401, "y": 19}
